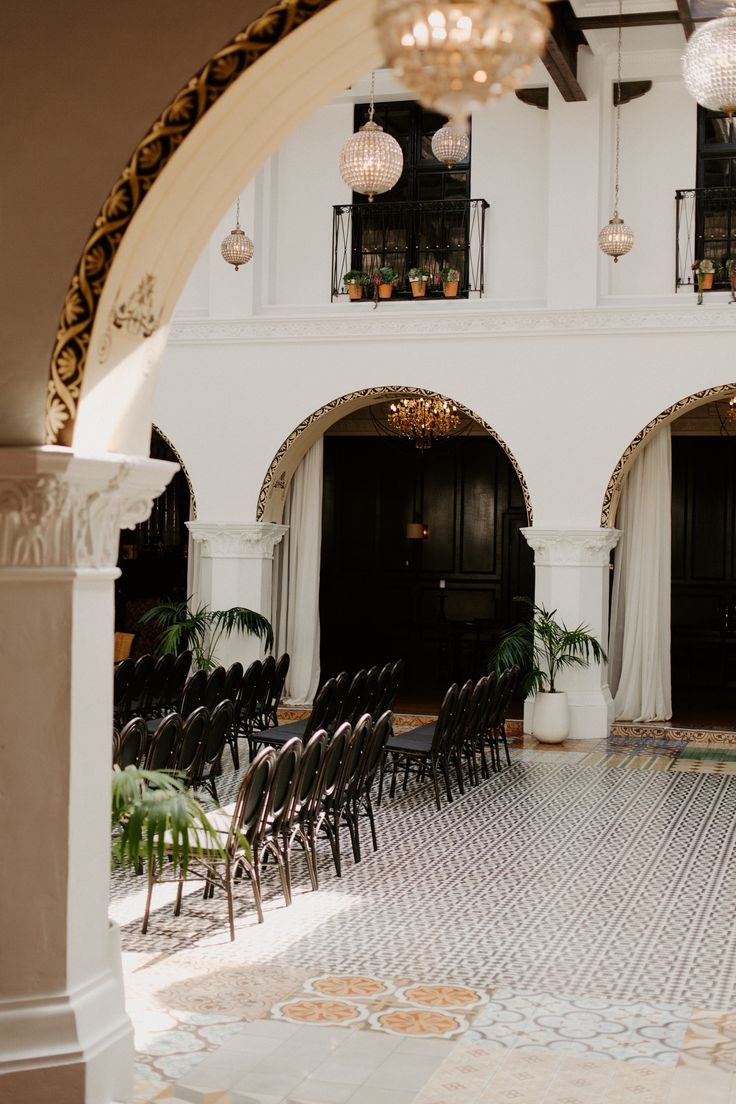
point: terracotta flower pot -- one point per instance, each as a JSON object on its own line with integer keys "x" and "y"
{"x": 418, "y": 286}
{"x": 706, "y": 281}
{"x": 450, "y": 289}
{"x": 384, "y": 291}
{"x": 355, "y": 291}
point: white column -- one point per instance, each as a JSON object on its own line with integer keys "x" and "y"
{"x": 572, "y": 577}
{"x": 64, "y": 1033}
{"x": 235, "y": 566}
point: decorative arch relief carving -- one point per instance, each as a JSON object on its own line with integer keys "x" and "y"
{"x": 276, "y": 476}
{"x": 60, "y": 510}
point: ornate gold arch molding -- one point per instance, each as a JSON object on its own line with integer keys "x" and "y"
{"x": 148, "y": 160}
{"x": 276, "y": 476}
{"x": 182, "y": 465}
{"x": 615, "y": 483}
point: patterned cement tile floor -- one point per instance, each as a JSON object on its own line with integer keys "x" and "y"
{"x": 563, "y": 934}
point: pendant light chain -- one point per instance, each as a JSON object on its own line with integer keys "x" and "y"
{"x": 618, "y": 110}
{"x": 372, "y": 108}
{"x": 237, "y": 210}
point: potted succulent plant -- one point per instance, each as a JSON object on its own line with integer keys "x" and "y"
{"x": 355, "y": 280}
{"x": 705, "y": 272}
{"x": 542, "y": 646}
{"x": 729, "y": 269}
{"x": 418, "y": 278}
{"x": 386, "y": 279}
{"x": 450, "y": 281}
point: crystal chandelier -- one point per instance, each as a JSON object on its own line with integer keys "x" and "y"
{"x": 423, "y": 421}
{"x": 709, "y": 64}
{"x": 371, "y": 160}
{"x": 731, "y": 412}
{"x": 237, "y": 248}
{"x": 616, "y": 239}
{"x": 451, "y": 144}
{"x": 457, "y": 56}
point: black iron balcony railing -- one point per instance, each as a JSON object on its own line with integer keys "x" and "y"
{"x": 706, "y": 228}
{"x": 411, "y": 234}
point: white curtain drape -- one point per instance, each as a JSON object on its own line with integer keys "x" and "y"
{"x": 639, "y": 672}
{"x": 295, "y": 612}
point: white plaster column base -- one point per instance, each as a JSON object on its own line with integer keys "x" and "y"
{"x": 64, "y": 1033}
{"x": 234, "y": 567}
{"x": 572, "y": 577}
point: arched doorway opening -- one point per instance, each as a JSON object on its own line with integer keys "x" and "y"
{"x": 699, "y": 559}
{"x": 153, "y": 557}
{"x": 420, "y": 552}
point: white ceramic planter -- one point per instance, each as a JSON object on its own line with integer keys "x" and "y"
{"x": 551, "y": 718}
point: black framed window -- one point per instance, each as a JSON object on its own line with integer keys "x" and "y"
{"x": 430, "y": 231}
{"x": 715, "y": 217}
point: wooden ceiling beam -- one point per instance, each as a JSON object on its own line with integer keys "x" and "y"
{"x": 630, "y": 19}
{"x": 686, "y": 17}
{"x": 561, "y": 56}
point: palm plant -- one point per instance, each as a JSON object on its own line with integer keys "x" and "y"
{"x": 153, "y": 815}
{"x": 542, "y": 647}
{"x": 201, "y": 629}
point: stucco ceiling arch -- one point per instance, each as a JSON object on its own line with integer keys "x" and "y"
{"x": 291, "y": 452}
{"x": 206, "y": 145}
{"x": 669, "y": 414}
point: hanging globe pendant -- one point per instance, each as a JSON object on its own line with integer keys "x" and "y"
{"x": 709, "y": 64}
{"x": 451, "y": 144}
{"x": 371, "y": 160}
{"x": 616, "y": 239}
{"x": 237, "y": 248}
{"x": 456, "y": 56}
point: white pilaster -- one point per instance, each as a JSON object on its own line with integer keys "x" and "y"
{"x": 235, "y": 564}
{"x": 572, "y": 577}
{"x": 64, "y": 1033}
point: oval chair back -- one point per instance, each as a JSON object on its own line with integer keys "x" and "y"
{"x": 318, "y": 718}
{"x": 193, "y": 694}
{"x": 283, "y": 780}
{"x": 196, "y": 728}
{"x": 311, "y": 763}
{"x": 444, "y": 721}
{"x": 276, "y": 688}
{"x": 373, "y": 754}
{"x": 208, "y": 765}
{"x": 268, "y": 670}
{"x": 329, "y": 774}
{"x": 214, "y": 690}
{"x": 248, "y": 697}
{"x": 371, "y": 690}
{"x": 383, "y": 690}
{"x": 132, "y": 743}
{"x": 121, "y": 683}
{"x": 397, "y": 674}
{"x": 178, "y": 679}
{"x": 251, "y": 800}
{"x": 164, "y": 743}
{"x": 158, "y": 685}
{"x": 356, "y": 699}
{"x": 336, "y": 713}
{"x": 139, "y": 683}
{"x": 233, "y": 682}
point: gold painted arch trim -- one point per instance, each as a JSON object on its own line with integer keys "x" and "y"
{"x": 275, "y": 477}
{"x": 180, "y": 462}
{"x": 145, "y": 165}
{"x": 671, "y": 414}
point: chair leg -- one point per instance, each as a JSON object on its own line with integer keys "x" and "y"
{"x": 179, "y": 890}
{"x": 502, "y": 730}
{"x": 371, "y": 820}
{"x": 392, "y": 791}
{"x": 151, "y": 880}
{"x": 255, "y": 882}
{"x": 233, "y": 742}
{"x": 282, "y": 875}
{"x": 435, "y": 782}
{"x": 230, "y": 911}
{"x": 351, "y": 818}
{"x": 446, "y": 774}
{"x": 459, "y": 770}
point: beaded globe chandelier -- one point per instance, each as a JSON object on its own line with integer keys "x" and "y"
{"x": 423, "y": 421}
{"x": 457, "y": 56}
{"x": 616, "y": 239}
{"x": 709, "y": 64}
{"x": 237, "y": 248}
{"x": 371, "y": 160}
{"x": 450, "y": 144}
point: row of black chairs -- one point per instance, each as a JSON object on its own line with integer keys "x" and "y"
{"x": 471, "y": 719}
{"x": 192, "y": 745}
{"x": 339, "y": 699}
{"x": 287, "y": 797}
{"x": 148, "y": 686}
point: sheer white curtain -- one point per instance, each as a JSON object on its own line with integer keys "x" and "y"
{"x": 639, "y": 671}
{"x": 296, "y": 580}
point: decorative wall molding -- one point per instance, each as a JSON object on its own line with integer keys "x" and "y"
{"x": 229, "y": 541}
{"x": 276, "y": 479}
{"x": 615, "y": 483}
{"x": 399, "y": 323}
{"x": 146, "y": 163}
{"x": 62, "y": 510}
{"x": 571, "y": 547}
